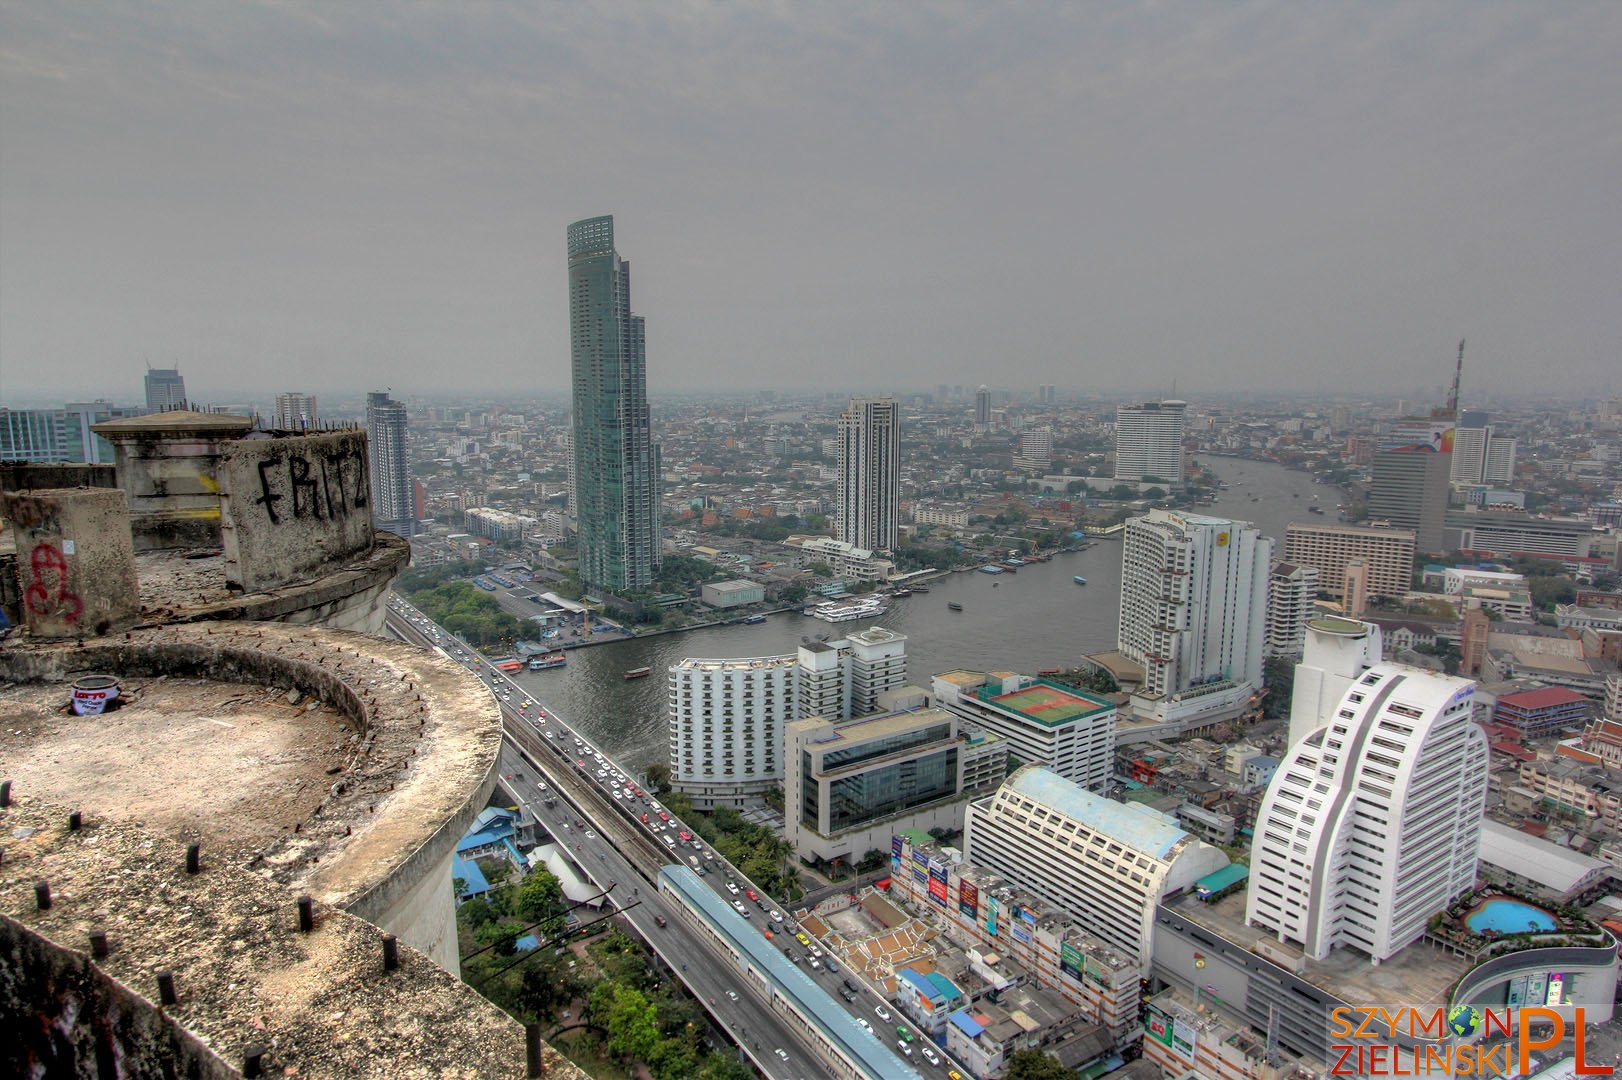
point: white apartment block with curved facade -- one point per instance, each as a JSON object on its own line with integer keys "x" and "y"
{"x": 1107, "y": 863}
{"x": 1372, "y": 822}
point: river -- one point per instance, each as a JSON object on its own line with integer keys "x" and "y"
{"x": 1036, "y": 618}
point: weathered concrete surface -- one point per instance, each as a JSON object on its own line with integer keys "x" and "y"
{"x": 168, "y": 466}
{"x": 415, "y": 766}
{"x": 244, "y": 975}
{"x": 75, "y": 565}
{"x": 190, "y": 587}
{"x": 290, "y": 507}
{"x": 24, "y": 475}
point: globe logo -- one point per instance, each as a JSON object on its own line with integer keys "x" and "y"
{"x": 1464, "y": 1020}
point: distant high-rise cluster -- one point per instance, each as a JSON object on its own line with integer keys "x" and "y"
{"x": 616, "y": 464}
{"x": 1149, "y": 442}
{"x": 869, "y": 486}
{"x": 392, "y": 505}
{"x": 1480, "y": 454}
{"x": 1047, "y": 394}
{"x": 165, "y": 390}
{"x": 982, "y": 407}
{"x": 296, "y": 412}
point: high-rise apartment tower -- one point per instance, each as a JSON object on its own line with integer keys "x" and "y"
{"x": 869, "y": 489}
{"x": 165, "y": 389}
{"x": 616, "y": 465}
{"x": 1149, "y": 441}
{"x": 392, "y": 506}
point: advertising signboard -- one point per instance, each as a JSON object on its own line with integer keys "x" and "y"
{"x": 968, "y": 898}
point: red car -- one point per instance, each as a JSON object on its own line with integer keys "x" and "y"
{"x": 684, "y": 834}
{"x": 750, "y": 893}
{"x": 644, "y": 819}
{"x": 663, "y": 816}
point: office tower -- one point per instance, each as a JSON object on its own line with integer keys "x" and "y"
{"x": 165, "y": 390}
{"x": 1409, "y": 491}
{"x": 1044, "y": 723}
{"x": 849, "y": 785}
{"x": 1149, "y": 441}
{"x": 982, "y": 408}
{"x": 1193, "y": 601}
{"x": 295, "y": 412}
{"x": 1480, "y": 456}
{"x": 1335, "y": 653}
{"x": 1035, "y": 453}
{"x": 1372, "y": 822}
{"x": 1389, "y": 554}
{"x": 1291, "y": 591}
{"x": 59, "y": 435}
{"x": 869, "y": 489}
{"x": 1106, "y": 863}
{"x": 616, "y": 466}
{"x": 391, "y": 467}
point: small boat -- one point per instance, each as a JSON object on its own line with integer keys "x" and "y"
{"x": 754, "y": 620}
{"x": 920, "y": 588}
{"x": 903, "y": 591}
{"x": 639, "y": 673}
{"x": 1079, "y": 580}
{"x": 991, "y": 568}
{"x": 550, "y": 660}
{"x": 953, "y": 605}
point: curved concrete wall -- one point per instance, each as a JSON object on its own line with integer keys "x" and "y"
{"x": 1597, "y": 966}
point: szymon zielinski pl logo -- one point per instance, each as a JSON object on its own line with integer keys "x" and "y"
{"x": 1405, "y": 1041}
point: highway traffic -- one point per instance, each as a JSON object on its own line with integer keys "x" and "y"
{"x": 579, "y": 794}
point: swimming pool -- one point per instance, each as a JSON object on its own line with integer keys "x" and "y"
{"x": 1509, "y": 917}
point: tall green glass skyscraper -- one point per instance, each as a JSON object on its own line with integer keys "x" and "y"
{"x": 616, "y": 465}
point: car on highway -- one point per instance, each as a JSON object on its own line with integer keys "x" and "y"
{"x": 864, "y": 1023}
{"x": 732, "y": 995}
{"x": 904, "y": 1046}
{"x": 903, "y": 1032}
{"x": 801, "y": 938}
{"x": 832, "y": 966}
{"x": 663, "y": 816}
{"x": 777, "y": 916}
{"x": 660, "y": 920}
{"x": 782, "y": 1053}
{"x": 882, "y": 1013}
{"x": 685, "y": 835}
{"x": 733, "y": 889}
{"x": 929, "y": 1055}
{"x": 644, "y": 819}
{"x": 740, "y": 909}
{"x": 751, "y": 894}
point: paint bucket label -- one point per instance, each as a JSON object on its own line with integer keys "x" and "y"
{"x": 93, "y": 694}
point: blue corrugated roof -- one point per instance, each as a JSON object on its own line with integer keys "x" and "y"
{"x": 966, "y": 1022}
{"x": 860, "y": 1044}
{"x": 469, "y": 871}
{"x": 1133, "y": 824}
{"x": 947, "y": 988}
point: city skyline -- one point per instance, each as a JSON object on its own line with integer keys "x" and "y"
{"x": 1265, "y": 196}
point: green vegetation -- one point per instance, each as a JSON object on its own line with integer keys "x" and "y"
{"x": 1036, "y": 1065}
{"x": 634, "y": 1014}
{"x": 685, "y": 573}
{"x": 761, "y": 854}
{"x": 470, "y": 613}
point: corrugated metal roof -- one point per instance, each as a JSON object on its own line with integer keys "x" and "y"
{"x": 1139, "y": 827}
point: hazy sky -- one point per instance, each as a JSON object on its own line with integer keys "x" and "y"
{"x": 346, "y": 195}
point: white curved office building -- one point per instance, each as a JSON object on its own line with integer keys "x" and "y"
{"x": 1372, "y": 822}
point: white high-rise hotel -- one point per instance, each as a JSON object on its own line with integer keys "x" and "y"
{"x": 869, "y": 488}
{"x": 1372, "y": 822}
{"x": 1193, "y": 610}
{"x": 728, "y": 718}
{"x": 1149, "y": 441}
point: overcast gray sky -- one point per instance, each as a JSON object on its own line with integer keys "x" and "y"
{"x": 881, "y": 196}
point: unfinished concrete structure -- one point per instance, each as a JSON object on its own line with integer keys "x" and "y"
{"x": 302, "y": 762}
{"x": 222, "y": 523}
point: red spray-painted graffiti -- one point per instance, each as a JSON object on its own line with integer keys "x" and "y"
{"x": 49, "y": 596}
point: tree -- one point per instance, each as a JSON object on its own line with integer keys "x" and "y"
{"x": 658, "y": 777}
{"x": 871, "y": 861}
{"x": 1036, "y": 1065}
{"x": 631, "y": 1019}
{"x": 538, "y": 897}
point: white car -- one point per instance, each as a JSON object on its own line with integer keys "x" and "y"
{"x": 738, "y": 906}
{"x": 777, "y": 916}
{"x": 864, "y": 1023}
{"x": 882, "y": 1012}
{"x": 732, "y": 994}
{"x": 732, "y": 888}
{"x": 929, "y": 1055}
